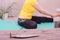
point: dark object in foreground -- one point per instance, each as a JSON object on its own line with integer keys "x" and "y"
{"x": 57, "y": 24}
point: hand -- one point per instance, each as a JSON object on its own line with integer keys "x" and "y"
{"x": 55, "y": 15}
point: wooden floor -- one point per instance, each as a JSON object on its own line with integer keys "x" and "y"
{"x": 45, "y": 34}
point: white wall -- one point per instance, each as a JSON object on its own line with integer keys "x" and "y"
{"x": 49, "y": 5}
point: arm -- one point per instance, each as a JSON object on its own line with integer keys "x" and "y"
{"x": 41, "y": 10}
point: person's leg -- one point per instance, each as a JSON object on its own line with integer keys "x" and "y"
{"x": 41, "y": 19}
{"x": 28, "y": 24}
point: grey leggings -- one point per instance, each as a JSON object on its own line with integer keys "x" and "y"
{"x": 32, "y": 24}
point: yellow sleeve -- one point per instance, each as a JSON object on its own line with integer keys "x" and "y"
{"x": 34, "y": 2}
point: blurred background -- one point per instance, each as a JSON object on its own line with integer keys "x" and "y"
{"x": 13, "y": 7}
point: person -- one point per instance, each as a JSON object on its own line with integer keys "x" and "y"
{"x": 26, "y": 18}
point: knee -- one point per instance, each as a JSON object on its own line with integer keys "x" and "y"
{"x": 33, "y": 25}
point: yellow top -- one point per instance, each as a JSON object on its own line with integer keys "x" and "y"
{"x": 28, "y": 9}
